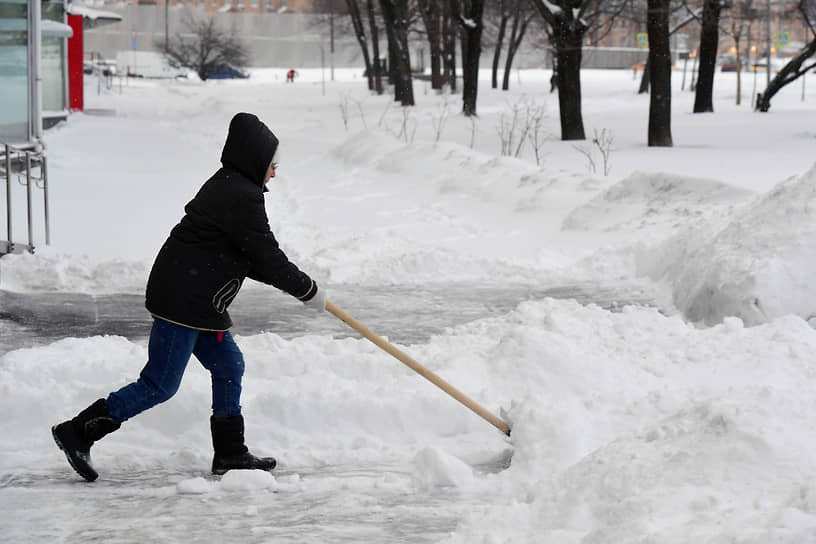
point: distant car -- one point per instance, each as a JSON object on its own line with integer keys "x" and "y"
{"x": 99, "y": 66}
{"x": 225, "y": 71}
{"x": 728, "y": 63}
{"x": 761, "y": 65}
{"x": 149, "y": 64}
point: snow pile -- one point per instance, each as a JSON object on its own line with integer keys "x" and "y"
{"x": 634, "y": 425}
{"x": 247, "y": 480}
{"x": 50, "y": 270}
{"x": 647, "y": 201}
{"x": 419, "y": 212}
{"x": 436, "y": 468}
{"x": 625, "y": 425}
{"x": 757, "y": 266}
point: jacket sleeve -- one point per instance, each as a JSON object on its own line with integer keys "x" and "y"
{"x": 248, "y": 228}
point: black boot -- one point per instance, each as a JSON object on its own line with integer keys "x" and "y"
{"x": 76, "y": 436}
{"x": 230, "y": 451}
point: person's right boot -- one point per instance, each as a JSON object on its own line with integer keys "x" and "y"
{"x": 76, "y": 436}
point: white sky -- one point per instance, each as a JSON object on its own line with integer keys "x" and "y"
{"x": 690, "y": 425}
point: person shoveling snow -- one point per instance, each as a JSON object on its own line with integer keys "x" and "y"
{"x": 223, "y": 238}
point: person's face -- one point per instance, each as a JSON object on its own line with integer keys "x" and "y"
{"x": 270, "y": 173}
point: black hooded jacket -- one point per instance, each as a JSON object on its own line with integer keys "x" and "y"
{"x": 223, "y": 238}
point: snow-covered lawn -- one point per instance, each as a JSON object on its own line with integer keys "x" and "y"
{"x": 692, "y": 423}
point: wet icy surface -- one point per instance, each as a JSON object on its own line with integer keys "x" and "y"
{"x": 404, "y": 314}
{"x": 148, "y": 508}
{"x": 325, "y": 504}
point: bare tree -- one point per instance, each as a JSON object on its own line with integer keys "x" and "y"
{"x": 206, "y": 48}
{"x": 567, "y": 24}
{"x": 709, "y": 41}
{"x": 375, "y": 47}
{"x": 797, "y": 66}
{"x": 690, "y": 16}
{"x": 359, "y": 32}
{"x": 737, "y": 25}
{"x": 450, "y": 10}
{"x": 501, "y": 11}
{"x": 522, "y": 17}
{"x": 657, "y": 24}
{"x": 793, "y": 70}
{"x": 472, "y": 26}
{"x": 395, "y": 17}
{"x": 431, "y": 12}
{"x": 567, "y": 28}
{"x": 603, "y": 141}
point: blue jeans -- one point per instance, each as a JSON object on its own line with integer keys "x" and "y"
{"x": 169, "y": 350}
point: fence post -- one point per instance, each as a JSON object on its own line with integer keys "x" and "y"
{"x": 24, "y": 159}
{"x": 8, "y": 196}
{"x": 28, "y": 202}
{"x": 44, "y": 174}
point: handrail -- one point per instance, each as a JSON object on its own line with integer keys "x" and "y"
{"x": 18, "y": 162}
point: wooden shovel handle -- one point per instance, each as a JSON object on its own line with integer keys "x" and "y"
{"x": 418, "y": 368}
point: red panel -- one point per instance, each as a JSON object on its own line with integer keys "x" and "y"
{"x": 75, "y": 56}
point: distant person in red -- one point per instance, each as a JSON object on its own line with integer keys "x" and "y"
{"x": 290, "y": 76}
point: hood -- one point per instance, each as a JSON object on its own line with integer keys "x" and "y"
{"x": 250, "y": 147}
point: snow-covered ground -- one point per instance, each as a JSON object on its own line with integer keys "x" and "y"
{"x": 690, "y": 420}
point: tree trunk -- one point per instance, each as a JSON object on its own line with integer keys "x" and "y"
{"x": 739, "y": 71}
{"x": 392, "y": 54}
{"x": 395, "y": 15}
{"x": 645, "y": 77}
{"x": 567, "y": 32}
{"x": 568, "y": 54}
{"x": 403, "y": 53}
{"x": 449, "y": 13}
{"x": 403, "y": 60}
{"x": 359, "y": 32}
{"x": 499, "y": 43}
{"x": 516, "y": 36}
{"x": 709, "y": 39}
{"x": 432, "y": 18}
{"x": 375, "y": 47}
{"x": 792, "y": 71}
{"x": 660, "y": 74}
{"x": 437, "y": 80}
{"x": 472, "y": 32}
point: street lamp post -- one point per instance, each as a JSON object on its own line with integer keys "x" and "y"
{"x": 768, "y": 29}
{"x": 331, "y": 35}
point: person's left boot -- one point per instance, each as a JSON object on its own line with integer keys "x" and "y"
{"x": 230, "y": 451}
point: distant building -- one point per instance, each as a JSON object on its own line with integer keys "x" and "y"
{"x": 622, "y": 30}
{"x": 249, "y": 6}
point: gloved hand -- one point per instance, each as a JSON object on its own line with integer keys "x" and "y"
{"x": 317, "y": 302}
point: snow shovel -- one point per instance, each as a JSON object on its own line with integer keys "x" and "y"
{"x": 419, "y": 369}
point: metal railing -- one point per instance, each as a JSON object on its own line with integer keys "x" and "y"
{"x": 26, "y": 168}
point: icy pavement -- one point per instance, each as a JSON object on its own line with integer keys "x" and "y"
{"x": 332, "y": 504}
{"x": 308, "y": 504}
{"x": 405, "y": 314}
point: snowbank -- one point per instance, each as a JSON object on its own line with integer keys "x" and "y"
{"x": 625, "y": 425}
{"x": 756, "y": 265}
